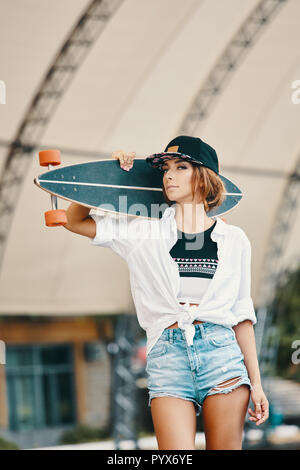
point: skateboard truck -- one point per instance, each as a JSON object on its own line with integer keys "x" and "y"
{"x": 56, "y": 216}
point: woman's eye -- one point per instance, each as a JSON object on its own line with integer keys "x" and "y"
{"x": 180, "y": 166}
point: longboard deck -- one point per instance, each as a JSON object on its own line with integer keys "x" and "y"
{"x": 104, "y": 185}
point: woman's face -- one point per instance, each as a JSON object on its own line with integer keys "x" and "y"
{"x": 178, "y": 173}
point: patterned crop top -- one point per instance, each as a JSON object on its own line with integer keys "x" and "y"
{"x": 197, "y": 262}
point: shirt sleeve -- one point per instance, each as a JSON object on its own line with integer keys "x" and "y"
{"x": 120, "y": 234}
{"x": 243, "y": 308}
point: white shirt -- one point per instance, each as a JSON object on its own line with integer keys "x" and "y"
{"x": 192, "y": 289}
{"x": 145, "y": 244}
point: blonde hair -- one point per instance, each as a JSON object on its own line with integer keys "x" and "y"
{"x": 207, "y": 186}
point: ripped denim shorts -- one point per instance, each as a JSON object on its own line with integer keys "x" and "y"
{"x": 194, "y": 372}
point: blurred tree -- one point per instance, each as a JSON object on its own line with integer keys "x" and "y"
{"x": 287, "y": 319}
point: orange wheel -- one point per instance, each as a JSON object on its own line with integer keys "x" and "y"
{"x": 56, "y": 218}
{"x": 49, "y": 157}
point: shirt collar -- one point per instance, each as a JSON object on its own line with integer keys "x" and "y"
{"x": 218, "y": 230}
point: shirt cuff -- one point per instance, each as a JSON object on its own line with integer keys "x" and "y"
{"x": 104, "y": 230}
{"x": 243, "y": 309}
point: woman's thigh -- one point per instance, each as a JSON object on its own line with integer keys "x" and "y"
{"x": 224, "y": 417}
{"x": 169, "y": 371}
{"x": 174, "y": 421}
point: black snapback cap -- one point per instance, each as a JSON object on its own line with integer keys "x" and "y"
{"x": 187, "y": 148}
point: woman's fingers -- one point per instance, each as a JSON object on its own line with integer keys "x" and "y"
{"x": 125, "y": 158}
{"x": 265, "y": 409}
{"x": 253, "y": 416}
{"x": 258, "y": 410}
{"x": 261, "y": 406}
{"x": 127, "y": 161}
{"x": 260, "y": 415}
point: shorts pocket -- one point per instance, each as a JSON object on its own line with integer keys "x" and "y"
{"x": 221, "y": 339}
{"x": 158, "y": 349}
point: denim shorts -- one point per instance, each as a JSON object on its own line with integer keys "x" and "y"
{"x": 194, "y": 372}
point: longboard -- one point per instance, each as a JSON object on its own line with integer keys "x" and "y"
{"x": 105, "y": 185}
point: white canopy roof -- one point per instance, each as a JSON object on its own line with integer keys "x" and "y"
{"x": 133, "y": 91}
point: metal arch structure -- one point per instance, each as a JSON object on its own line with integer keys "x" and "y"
{"x": 226, "y": 65}
{"x": 123, "y": 403}
{"x": 220, "y": 75}
{"x": 64, "y": 67}
{"x": 273, "y": 268}
{"x": 267, "y": 334}
{"x": 39, "y": 113}
{"x": 42, "y": 107}
{"x": 207, "y": 96}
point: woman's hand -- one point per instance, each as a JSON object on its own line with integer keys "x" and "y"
{"x": 126, "y": 159}
{"x": 261, "y": 405}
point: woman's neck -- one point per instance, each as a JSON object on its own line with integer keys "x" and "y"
{"x": 191, "y": 218}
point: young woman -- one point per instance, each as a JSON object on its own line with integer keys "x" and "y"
{"x": 190, "y": 279}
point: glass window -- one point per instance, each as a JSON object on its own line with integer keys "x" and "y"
{"x": 40, "y": 386}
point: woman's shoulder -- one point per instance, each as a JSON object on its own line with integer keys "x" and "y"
{"x": 139, "y": 221}
{"x": 141, "y": 225}
{"x": 239, "y": 233}
{"x": 120, "y": 220}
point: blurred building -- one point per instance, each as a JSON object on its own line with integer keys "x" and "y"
{"x": 57, "y": 375}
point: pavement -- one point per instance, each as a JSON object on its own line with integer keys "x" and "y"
{"x": 281, "y": 435}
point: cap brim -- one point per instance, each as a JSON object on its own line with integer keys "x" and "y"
{"x": 157, "y": 159}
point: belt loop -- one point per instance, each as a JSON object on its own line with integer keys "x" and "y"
{"x": 171, "y": 333}
{"x": 203, "y": 334}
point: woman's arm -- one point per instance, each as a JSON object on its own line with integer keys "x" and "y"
{"x": 244, "y": 332}
{"x": 245, "y": 337}
{"x": 79, "y": 220}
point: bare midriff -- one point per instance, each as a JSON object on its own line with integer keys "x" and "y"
{"x": 175, "y": 325}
